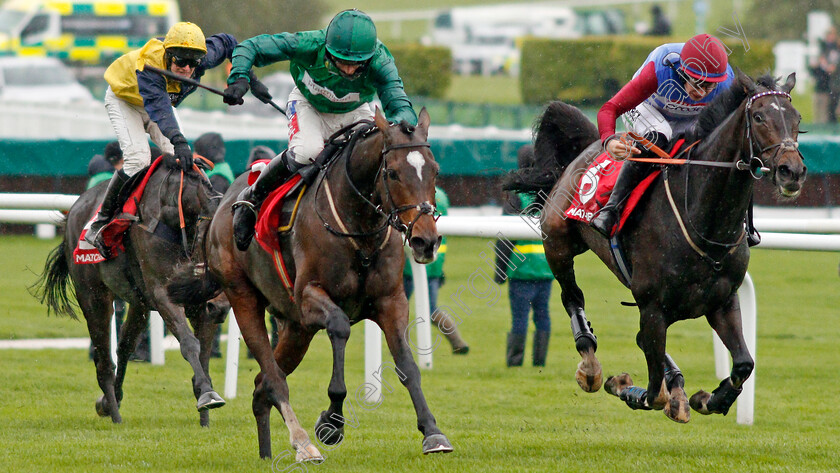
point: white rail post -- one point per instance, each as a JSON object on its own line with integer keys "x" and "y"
{"x": 423, "y": 327}
{"x": 157, "y": 354}
{"x": 373, "y": 360}
{"x": 746, "y": 401}
{"x": 232, "y": 356}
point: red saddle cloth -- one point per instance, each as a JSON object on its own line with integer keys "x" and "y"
{"x": 596, "y": 185}
{"x": 113, "y": 232}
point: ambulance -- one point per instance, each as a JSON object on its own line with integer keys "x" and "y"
{"x": 89, "y": 32}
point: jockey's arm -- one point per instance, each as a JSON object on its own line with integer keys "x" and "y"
{"x": 631, "y": 95}
{"x": 260, "y": 51}
{"x": 157, "y": 102}
{"x": 391, "y": 92}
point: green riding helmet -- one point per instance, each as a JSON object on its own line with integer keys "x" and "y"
{"x": 351, "y": 36}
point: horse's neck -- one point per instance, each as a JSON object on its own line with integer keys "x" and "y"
{"x": 358, "y": 170}
{"x": 718, "y": 198}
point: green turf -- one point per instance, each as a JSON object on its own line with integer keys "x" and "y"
{"x": 498, "y": 419}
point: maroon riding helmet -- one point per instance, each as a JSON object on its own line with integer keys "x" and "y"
{"x": 703, "y": 57}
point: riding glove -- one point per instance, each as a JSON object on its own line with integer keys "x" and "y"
{"x": 235, "y": 92}
{"x": 260, "y": 91}
{"x": 183, "y": 152}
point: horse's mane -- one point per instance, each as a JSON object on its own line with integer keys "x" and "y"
{"x": 728, "y": 101}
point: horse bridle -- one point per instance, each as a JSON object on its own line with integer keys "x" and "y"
{"x": 392, "y": 219}
{"x": 755, "y": 163}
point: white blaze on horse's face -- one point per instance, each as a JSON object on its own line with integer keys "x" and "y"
{"x": 416, "y": 159}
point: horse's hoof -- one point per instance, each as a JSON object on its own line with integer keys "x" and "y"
{"x": 436, "y": 443}
{"x": 101, "y": 410}
{"x": 204, "y": 418}
{"x": 209, "y": 400}
{"x": 588, "y": 375}
{"x": 308, "y": 454}
{"x": 700, "y": 402}
{"x": 461, "y": 350}
{"x": 677, "y": 408}
{"x": 326, "y": 432}
{"x": 616, "y": 384}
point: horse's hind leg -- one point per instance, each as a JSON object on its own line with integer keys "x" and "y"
{"x": 135, "y": 323}
{"x": 319, "y": 310}
{"x": 97, "y": 306}
{"x": 560, "y": 257}
{"x": 727, "y": 323}
{"x": 392, "y": 316}
{"x": 676, "y": 408}
{"x": 205, "y": 331}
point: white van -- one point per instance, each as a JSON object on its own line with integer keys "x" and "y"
{"x": 82, "y": 31}
{"x": 39, "y": 79}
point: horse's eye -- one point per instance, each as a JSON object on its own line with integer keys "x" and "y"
{"x": 758, "y": 117}
{"x": 392, "y": 174}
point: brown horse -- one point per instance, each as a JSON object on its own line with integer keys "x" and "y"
{"x": 153, "y": 247}
{"x": 684, "y": 242}
{"x": 346, "y": 265}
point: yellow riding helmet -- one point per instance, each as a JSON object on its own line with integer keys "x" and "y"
{"x": 185, "y": 35}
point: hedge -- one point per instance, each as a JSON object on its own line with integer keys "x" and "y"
{"x": 425, "y": 70}
{"x": 589, "y": 71}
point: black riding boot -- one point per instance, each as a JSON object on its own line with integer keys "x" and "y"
{"x": 631, "y": 174}
{"x": 515, "y": 349}
{"x": 110, "y": 205}
{"x": 251, "y": 198}
{"x": 541, "y": 347}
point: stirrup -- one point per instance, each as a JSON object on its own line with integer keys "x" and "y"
{"x": 244, "y": 203}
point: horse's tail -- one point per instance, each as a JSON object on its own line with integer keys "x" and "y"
{"x": 51, "y": 286}
{"x": 562, "y": 133}
{"x": 192, "y": 286}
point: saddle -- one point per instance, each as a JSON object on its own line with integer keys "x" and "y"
{"x": 130, "y": 195}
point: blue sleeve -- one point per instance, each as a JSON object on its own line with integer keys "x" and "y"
{"x": 157, "y": 103}
{"x": 219, "y": 48}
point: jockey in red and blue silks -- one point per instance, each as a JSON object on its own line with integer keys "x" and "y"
{"x": 676, "y": 81}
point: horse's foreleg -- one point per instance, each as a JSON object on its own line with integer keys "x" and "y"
{"x": 319, "y": 310}
{"x": 176, "y": 322}
{"x": 205, "y": 330}
{"x": 392, "y": 317}
{"x": 727, "y": 323}
{"x": 651, "y": 339}
{"x": 676, "y": 407}
{"x": 271, "y": 389}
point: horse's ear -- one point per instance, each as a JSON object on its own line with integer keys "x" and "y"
{"x": 745, "y": 81}
{"x": 381, "y": 121}
{"x": 789, "y": 83}
{"x": 423, "y": 122}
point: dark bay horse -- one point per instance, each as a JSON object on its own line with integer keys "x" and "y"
{"x": 345, "y": 258}
{"x": 685, "y": 240}
{"x": 139, "y": 275}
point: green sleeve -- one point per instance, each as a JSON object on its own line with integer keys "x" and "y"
{"x": 260, "y": 51}
{"x": 390, "y": 88}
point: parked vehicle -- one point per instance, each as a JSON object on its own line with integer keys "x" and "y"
{"x": 39, "y": 79}
{"x": 82, "y": 31}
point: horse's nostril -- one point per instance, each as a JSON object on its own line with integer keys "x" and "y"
{"x": 784, "y": 171}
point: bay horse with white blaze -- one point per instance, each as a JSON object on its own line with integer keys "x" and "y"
{"x": 344, "y": 260}
{"x": 685, "y": 241}
{"x": 153, "y": 247}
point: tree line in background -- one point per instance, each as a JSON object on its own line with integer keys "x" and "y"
{"x": 246, "y": 19}
{"x": 776, "y": 21}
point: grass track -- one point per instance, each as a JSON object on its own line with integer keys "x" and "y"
{"x": 498, "y": 419}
